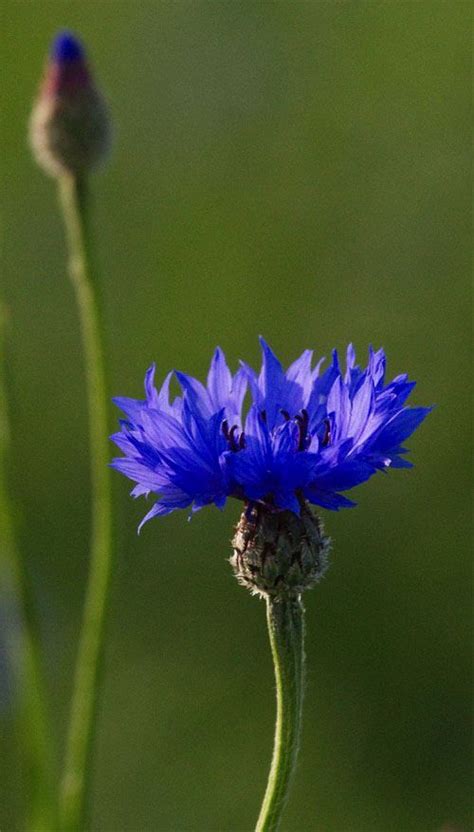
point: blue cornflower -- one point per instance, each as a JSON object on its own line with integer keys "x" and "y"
{"x": 307, "y": 435}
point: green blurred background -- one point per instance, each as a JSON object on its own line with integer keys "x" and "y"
{"x": 299, "y": 169}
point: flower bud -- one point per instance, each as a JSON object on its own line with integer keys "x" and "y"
{"x": 69, "y": 126}
{"x": 278, "y": 553}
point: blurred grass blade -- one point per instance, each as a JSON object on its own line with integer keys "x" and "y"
{"x": 23, "y": 643}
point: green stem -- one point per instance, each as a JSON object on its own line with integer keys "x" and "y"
{"x": 24, "y": 648}
{"x": 285, "y": 618}
{"x": 86, "y": 682}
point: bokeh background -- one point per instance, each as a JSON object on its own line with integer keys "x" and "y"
{"x": 301, "y": 170}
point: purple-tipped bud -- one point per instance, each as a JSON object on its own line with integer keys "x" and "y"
{"x": 66, "y": 47}
{"x": 69, "y": 127}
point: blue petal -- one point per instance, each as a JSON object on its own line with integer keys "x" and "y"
{"x": 132, "y": 407}
{"x": 324, "y": 383}
{"x": 239, "y": 388}
{"x": 197, "y": 393}
{"x": 345, "y": 476}
{"x": 362, "y": 405}
{"x": 160, "y": 509}
{"x": 219, "y": 380}
{"x": 350, "y": 359}
{"x": 401, "y": 426}
{"x": 377, "y": 363}
{"x": 301, "y": 375}
{"x": 399, "y": 462}
{"x": 270, "y": 382}
{"x": 163, "y": 402}
{"x": 150, "y": 389}
{"x": 136, "y": 471}
{"x": 334, "y": 502}
{"x": 339, "y": 403}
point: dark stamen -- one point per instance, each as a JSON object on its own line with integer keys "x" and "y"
{"x": 232, "y": 439}
{"x": 263, "y": 416}
{"x": 285, "y": 415}
{"x": 234, "y": 444}
{"x": 327, "y": 434}
{"x": 302, "y": 421}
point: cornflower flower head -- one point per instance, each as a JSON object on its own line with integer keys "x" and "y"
{"x": 308, "y": 435}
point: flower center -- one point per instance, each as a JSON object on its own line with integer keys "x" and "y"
{"x": 302, "y": 420}
{"x": 236, "y": 439}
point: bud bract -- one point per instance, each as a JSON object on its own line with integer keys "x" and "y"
{"x": 69, "y": 126}
{"x": 279, "y": 553}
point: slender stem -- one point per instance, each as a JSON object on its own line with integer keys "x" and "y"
{"x": 24, "y": 647}
{"x": 285, "y": 620}
{"x": 84, "y": 699}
